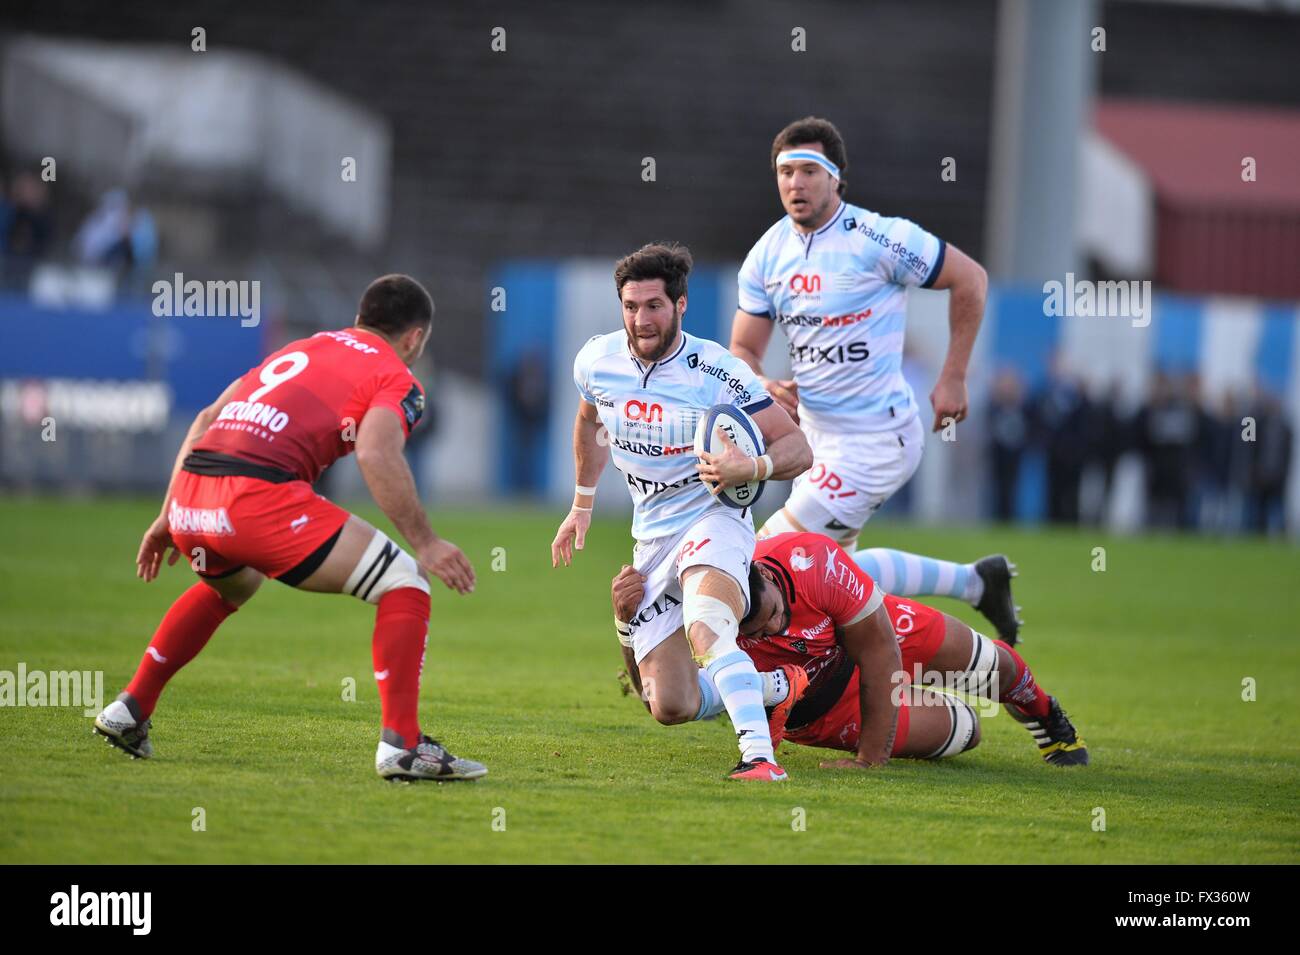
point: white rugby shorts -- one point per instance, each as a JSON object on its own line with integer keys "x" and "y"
{"x": 721, "y": 539}
{"x": 852, "y": 475}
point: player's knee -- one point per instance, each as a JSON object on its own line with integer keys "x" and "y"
{"x": 671, "y": 705}
{"x": 963, "y": 732}
{"x": 671, "y": 712}
{"x": 238, "y": 588}
{"x": 975, "y": 735}
{"x": 383, "y": 568}
{"x": 984, "y": 671}
{"x": 712, "y": 605}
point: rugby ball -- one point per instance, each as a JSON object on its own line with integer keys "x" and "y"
{"x": 740, "y": 428}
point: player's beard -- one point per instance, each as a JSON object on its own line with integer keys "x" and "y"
{"x": 819, "y": 215}
{"x": 634, "y": 344}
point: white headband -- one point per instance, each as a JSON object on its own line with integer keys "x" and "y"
{"x": 809, "y": 155}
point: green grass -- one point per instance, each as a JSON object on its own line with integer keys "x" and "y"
{"x": 1148, "y": 657}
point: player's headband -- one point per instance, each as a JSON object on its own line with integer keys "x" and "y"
{"x": 809, "y": 155}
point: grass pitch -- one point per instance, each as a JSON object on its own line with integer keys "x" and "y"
{"x": 1148, "y": 657}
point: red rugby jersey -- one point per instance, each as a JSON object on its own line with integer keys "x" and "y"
{"x": 824, "y": 589}
{"x": 299, "y": 410}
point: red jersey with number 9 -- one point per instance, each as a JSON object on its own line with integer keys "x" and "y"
{"x": 299, "y": 410}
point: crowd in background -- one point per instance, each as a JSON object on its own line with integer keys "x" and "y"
{"x": 26, "y": 227}
{"x": 116, "y": 233}
{"x": 1217, "y": 467}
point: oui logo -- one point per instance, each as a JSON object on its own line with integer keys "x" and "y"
{"x": 636, "y": 410}
{"x": 805, "y": 283}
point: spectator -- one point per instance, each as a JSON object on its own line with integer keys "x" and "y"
{"x": 116, "y": 234}
{"x": 1059, "y": 413}
{"x": 105, "y": 237}
{"x": 1009, "y": 434}
{"x": 528, "y": 401}
{"x": 1104, "y": 440}
{"x": 1167, "y": 434}
{"x": 1218, "y": 432}
{"x": 26, "y": 227}
{"x": 1270, "y": 466}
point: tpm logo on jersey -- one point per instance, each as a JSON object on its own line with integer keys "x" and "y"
{"x": 842, "y": 575}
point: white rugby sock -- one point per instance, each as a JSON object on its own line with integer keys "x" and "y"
{"x": 742, "y": 693}
{"x": 710, "y": 698}
{"x": 911, "y": 575}
{"x": 775, "y": 687}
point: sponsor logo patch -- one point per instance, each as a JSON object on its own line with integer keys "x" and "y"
{"x": 213, "y": 521}
{"x": 413, "y": 406}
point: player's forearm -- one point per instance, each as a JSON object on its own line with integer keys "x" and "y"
{"x": 876, "y": 673}
{"x": 790, "y": 455}
{"x": 588, "y": 458}
{"x": 965, "y": 313}
{"x": 634, "y": 674}
{"x": 749, "y": 357}
{"x": 873, "y": 646}
{"x": 392, "y": 485}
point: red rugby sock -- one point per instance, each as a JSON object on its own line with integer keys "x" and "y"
{"x": 184, "y": 631}
{"x": 1024, "y": 690}
{"x": 401, "y": 631}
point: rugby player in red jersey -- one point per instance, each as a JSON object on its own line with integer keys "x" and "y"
{"x": 822, "y": 623}
{"x": 240, "y": 507}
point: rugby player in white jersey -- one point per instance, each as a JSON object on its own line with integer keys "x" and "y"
{"x": 835, "y": 276}
{"x": 643, "y": 390}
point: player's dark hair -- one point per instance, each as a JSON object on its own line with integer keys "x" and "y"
{"x": 814, "y": 129}
{"x": 393, "y": 303}
{"x": 755, "y": 592}
{"x": 670, "y": 261}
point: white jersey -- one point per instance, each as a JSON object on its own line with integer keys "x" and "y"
{"x": 650, "y": 412}
{"x": 840, "y": 294}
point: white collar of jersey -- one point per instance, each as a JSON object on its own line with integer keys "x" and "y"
{"x": 662, "y": 361}
{"x": 804, "y": 236}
